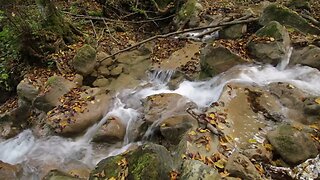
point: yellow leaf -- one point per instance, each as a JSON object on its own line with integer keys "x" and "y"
{"x": 317, "y": 100}
{"x": 213, "y": 122}
{"x": 314, "y": 126}
{"x": 268, "y": 147}
{"x": 252, "y": 141}
{"x": 163, "y": 125}
{"x": 192, "y": 133}
{"x": 203, "y": 130}
{"x": 219, "y": 164}
{"x": 224, "y": 174}
{"x": 112, "y": 178}
{"x": 77, "y": 109}
{"x": 212, "y": 115}
{"x": 183, "y": 156}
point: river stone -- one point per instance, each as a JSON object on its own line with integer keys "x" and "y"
{"x": 71, "y": 123}
{"x": 233, "y": 32}
{"x": 117, "y": 70}
{"x": 85, "y": 59}
{"x": 101, "y": 57}
{"x": 287, "y": 17}
{"x": 104, "y": 71}
{"x": 309, "y": 56}
{"x": 195, "y": 170}
{"x": 111, "y": 132}
{"x": 161, "y": 106}
{"x": 124, "y": 81}
{"x": 149, "y": 161}
{"x": 58, "y": 175}
{"x": 8, "y": 171}
{"x": 217, "y": 59}
{"x": 270, "y": 51}
{"x": 174, "y": 127}
{"x": 27, "y": 91}
{"x": 292, "y": 145}
{"x": 101, "y": 82}
{"x": 57, "y": 87}
{"x": 240, "y": 166}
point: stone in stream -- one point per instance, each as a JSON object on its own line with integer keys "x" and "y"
{"x": 195, "y": 170}
{"x": 79, "y": 118}
{"x": 57, "y": 86}
{"x": 111, "y": 132}
{"x": 85, "y": 60}
{"x": 240, "y": 166}
{"x": 308, "y": 56}
{"x": 101, "y": 82}
{"x": 149, "y": 161}
{"x": 8, "y": 171}
{"x": 287, "y": 17}
{"x": 27, "y": 91}
{"x": 215, "y": 59}
{"x": 292, "y": 145}
{"x": 58, "y": 175}
{"x": 274, "y": 50}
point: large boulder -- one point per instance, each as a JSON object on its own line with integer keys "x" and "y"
{"x": 160, "y": 106}
{"x": 75, "y": 116}
{"x": 309, "y": 56}
{"x": 273, "y": 50}
{"x": 111, "y": 132}
{"x": 149, "y": 161}
{"x": 56, "y": 87}
{"x": 240, "y": 166}
{"x": 85, "y": 60}
{"x": 194, "y": 170}
{"x": 215, "y": 59}
{"x": 188, "y": 14}
{"x": 292, "y": 145}
{"x": 27, "y": 91}
{"x": 285, "y": 16}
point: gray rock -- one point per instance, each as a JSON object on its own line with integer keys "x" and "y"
{"x": 287, "y": 17}
{"x": 309, "y": 56}
{"x": 27, "y": 91}
{"x": 195, "y": 170}
{"x": 188, "y": 14}
{"x": 57, "y": 87}
{"x": 292, "y": 145}
{"x": 233, "y": 32}
{"x": 8, "y": 171}
{"x": 217, "y": 59}
{"x": 271, "y": 51}
{"x": 299, "y": 4}
{"x": 240, "y": 166}
{"x": 111, "y": 132}
{"x": 116, "y": 70}
{"x": 104, "y": 71}
{"x": 101, "y": 57}
{"x": 85, "y": 59}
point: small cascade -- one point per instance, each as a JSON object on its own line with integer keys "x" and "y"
{"x": 285, "y": 60}
{"x": 161, "y": 76}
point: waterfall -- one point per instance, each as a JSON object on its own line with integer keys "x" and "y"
{"x": 286, "y": 59}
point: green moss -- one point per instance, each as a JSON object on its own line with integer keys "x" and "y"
{"x": 187, "y": 10}
{"x": 273, "y": 29}
{"x": 144, "y": 166}
{"x": 107, "y": 168}
{"x": 51, "y": 81}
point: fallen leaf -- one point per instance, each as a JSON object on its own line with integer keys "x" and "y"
{"x": 317, "y": 100}
{"x": 252, "y": 141}
{"x": 219, "y": 164}
{"x": 192, "y": 133}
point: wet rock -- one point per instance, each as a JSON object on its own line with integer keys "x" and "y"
{"x": 85, "y": 60}
{"x": 104, "y": 71}
{"x": 259, "y": 153}
{"x": 287, "y": 17}
{"x": 111, "y": 132}
{"x": 8, "y": 171}
{"x": 292, "y": 145}
{"x": 240, "y": 166}
{"x": 188, "y": 14}
{"x": 57, "y": 86}
{"x": 312, "y": 106}
{"x": 173, "y": 128}
{"x": 160, "y": 106}
{"x": 149, "y": 161}
{"x": 124, "y": 81}
{"x": 101, "y": 57}
{"x": 27, "y": 91}
{"x": 233, "y": 32}
{"x": 272, "y": 51}
{"x": 102, "y": 82}
{"x": 194, "y": 170}
{"x": 309, "y": 56}
{"x": 76, "y": 121}
{"x": 58, "y": 175}
{"x": 217, "y": 59}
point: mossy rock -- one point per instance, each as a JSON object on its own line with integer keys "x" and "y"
{"x": 288, "y": 17}
{"x": 273, "y": 29}
{"x": 85, "y": 60}
{"x": 58, "y": 175}
{"x": 149, "y": 161}
{"x": 292, "y": 145}
{"x": 299, "y": 4}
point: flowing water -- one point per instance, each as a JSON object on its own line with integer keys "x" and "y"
{"x": 35, "y": 152}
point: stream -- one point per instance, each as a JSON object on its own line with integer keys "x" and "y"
{"x": 35, "y": 154}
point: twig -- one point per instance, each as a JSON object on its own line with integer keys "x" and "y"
{"x": 94, "y": 29}
{"x": 115, "y": 20}
{"x": 180, "y": 32}
{"x": 311, "y": 19}
{"x": 110, "y": 32}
